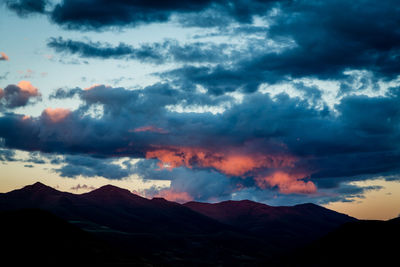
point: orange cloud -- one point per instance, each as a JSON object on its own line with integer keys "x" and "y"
{"x": 56, "y": 114}
{"x": 26, "y": 117}
{"x": 3, "y": 56}
{"x": 28, "y": 88}
{"x": 233, "y": 163}
{"x": 172, "y": 195}
{"x": 91, "y": 87}
{"x": 149, "y": 128}
{"x": 287, "y": 183}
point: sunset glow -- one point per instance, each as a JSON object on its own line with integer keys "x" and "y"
{"x": 231, "y": 163}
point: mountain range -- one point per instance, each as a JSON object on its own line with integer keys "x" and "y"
{"x": 115, "y": 226}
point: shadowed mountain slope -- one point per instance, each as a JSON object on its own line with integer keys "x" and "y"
{"x": 282, "y": 224}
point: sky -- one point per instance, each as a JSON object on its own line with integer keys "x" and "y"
{"x": 280, "y": 102}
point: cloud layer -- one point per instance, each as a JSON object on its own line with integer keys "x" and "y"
{"x": 282, "y": 142}
{"x": 246, "y": 108}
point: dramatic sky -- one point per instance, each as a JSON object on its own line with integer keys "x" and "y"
{"x": 281, "y": 102}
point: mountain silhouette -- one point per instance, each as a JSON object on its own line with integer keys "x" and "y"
{"x": 110, "y": 207}
{"x": 281, "y": 224}
{"x": 161, "y": 232}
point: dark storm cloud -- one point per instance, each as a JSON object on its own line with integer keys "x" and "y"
{"x": 27, "y": 7}
{"x": 155, "y": 53}
{"x": 336, "y": 35}
{"x": 101, "y": 14}
{"x": 97, "y": 14}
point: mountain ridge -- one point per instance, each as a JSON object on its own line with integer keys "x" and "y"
{"x": 167, "y": 233}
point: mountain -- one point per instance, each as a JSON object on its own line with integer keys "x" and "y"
{"x": 111, "y": 207}
{"x": 281, "y": 224}
{"x": 161, "y": 232}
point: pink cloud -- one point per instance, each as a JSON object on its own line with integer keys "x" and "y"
{"x": 28, "y": 88}
{"x": 233, "y": 162}
{"x": 56, "y": 114}
{"x": 287, "y": 183}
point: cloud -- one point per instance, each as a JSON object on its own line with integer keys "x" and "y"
{"x": 287, "y": 183}
{"x": 22, "y": 94}
{"x": 55, "y": 114}
{"x": 3, "y": 56}
{"x": 232, "y": 161}
{"x": 305, "y": 39}
{"x": 299, "y": 39}
{"x": 104, "y": 50}
{"x": 150, "y": 128}
{"x": 76, "y": 165}
{"x": 202, "y": 185}
{"x": 85, "y": 187}
{"x": 27, "y": 7}
{"x": 208, "y": 126}
{"x": 256, "y": 137}
{"x": 167, "y": 51}
{"x": 7, "y": 155}
{"x": 75, "y": 14}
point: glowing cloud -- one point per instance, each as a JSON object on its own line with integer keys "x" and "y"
{"x": 26, "y": 117}
{"x": 234, "y": 162}
{"x": 56, "y": 114}
{"x": 28, "y": 88}
{"x": 91, "y": 87}
{"x": 287, "y": 183}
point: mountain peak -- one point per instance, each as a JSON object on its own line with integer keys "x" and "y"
{"x": 114, "y": 188}
{"x": 113, "y": 193}
{"x": 39, "y": 187}
{"x": 159, "y": 199}
{"x": 110, "y": 189}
